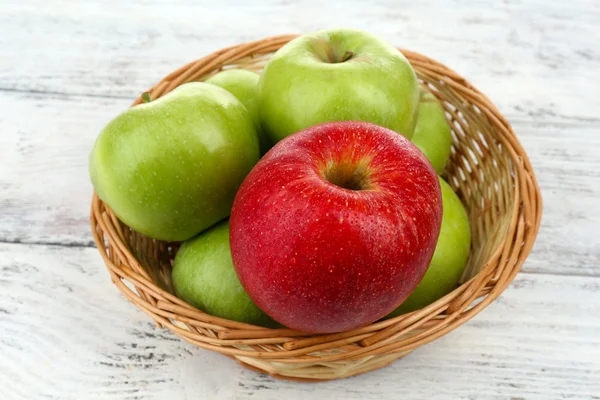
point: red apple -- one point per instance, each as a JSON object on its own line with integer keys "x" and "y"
{"x": 335, "y": 226}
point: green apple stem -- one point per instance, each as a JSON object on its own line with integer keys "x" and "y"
{"x": 146, "y": 97}
{"x": 347, "y": 55}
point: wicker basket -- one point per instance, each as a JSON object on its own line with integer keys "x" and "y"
{"x": 488, "y": 170}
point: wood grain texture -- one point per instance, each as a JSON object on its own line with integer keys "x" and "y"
{"x": 46, "y": 189}
{"x": 534, "y": 58}
{"x": 44, "y": 148}
{"x": 66, "y": 334}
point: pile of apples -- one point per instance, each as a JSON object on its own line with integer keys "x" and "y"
{"x": 298, "y": 194}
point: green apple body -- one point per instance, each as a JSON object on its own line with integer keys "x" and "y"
{"x": 432, "y": 132}
{"x": 243, "y": 84}
{"x": 203, "y": 276}
{"x": 170, "y": 168}
{"x": 337, "y": 75}
{"x": 449, "y": 259}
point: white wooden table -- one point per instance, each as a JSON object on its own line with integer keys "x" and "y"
{"x": 66, "y": 68}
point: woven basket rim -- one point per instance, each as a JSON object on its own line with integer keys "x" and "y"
{"x": 270, "y": 350}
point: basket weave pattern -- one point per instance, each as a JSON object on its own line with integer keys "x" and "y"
{"x": 489, "y": 171}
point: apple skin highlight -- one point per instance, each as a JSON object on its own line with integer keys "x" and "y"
{"x": 323, "y": 258}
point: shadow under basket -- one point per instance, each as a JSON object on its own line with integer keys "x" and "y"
{"x": 489, "y": 171}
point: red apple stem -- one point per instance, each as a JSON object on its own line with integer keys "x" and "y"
{"x": 146, "y": 97}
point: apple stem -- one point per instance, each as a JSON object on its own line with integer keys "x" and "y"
{"x": 347, "y": 55}
{"x": 146, "y": 97}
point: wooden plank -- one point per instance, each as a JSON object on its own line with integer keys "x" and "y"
{"x": 44, "y": 148}
{"x": 66, "y": 333}
{"x": 46, "y": 190}
{"x": 532, "y": 58}
{"x": 566, "y": 160}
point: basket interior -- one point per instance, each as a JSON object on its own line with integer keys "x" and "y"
{"x": 479, "y": 171}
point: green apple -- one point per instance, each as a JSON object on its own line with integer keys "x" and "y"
{"x": 432, "y": 132}
{"x": 449, "y": 259}
{"x": 170, "y": 168}
{"x": 243, "y": 84}
{"x": 203, "y": 276}
{"x": 337, "y": 75}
